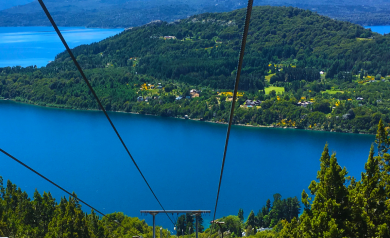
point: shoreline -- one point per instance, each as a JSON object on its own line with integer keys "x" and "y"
{"x": 182, "y": 118}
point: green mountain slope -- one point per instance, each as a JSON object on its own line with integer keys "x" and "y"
{"x": 145, "y": 68}
{"x": 207, "y": 46}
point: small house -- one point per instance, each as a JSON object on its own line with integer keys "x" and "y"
{"x": 249, "y": 103}
{"x": 179, "y": 98}
{"x": 304, "y": 103}
{"x": 359, "y": 98}
{"x": 194, "y": 93}
{"x": 140, "y": 99}
{"x": 252, "y": 103}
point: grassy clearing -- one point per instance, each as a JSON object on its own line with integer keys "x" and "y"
{"x": 268, "y": 77}
{"x": 363, "y": 38}
{"x": 333, "y": 91}
{"x": 277, "y": 90}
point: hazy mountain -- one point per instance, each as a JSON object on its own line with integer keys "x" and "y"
{"x": 126, "y": 13}
{"x": 8, "y": 4}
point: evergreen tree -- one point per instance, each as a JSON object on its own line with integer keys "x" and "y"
{"x": 383, "y": 195}
{"x": 277, "y": 197}
{"x": 250, "y": 222}
{"x": 69, "y": 221}
{"x": 329, "y": 212}
{"x": 241, "y": 214}
{"x": 189, "y": 223}
{"x": 181, "y": 225}
{"x": 200, "y": 223}
{"x": 95, "y": 225}
{"x": 382, "y": 139}
{"x": 367, "y": 199}
{"x": 259, "y": 219}
{"x": 268, "y": 206}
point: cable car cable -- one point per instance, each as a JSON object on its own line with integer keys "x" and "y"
{"x": 240, "y": 61}
{"x": 97, "y": 99}
{"x": 58, "y": 186}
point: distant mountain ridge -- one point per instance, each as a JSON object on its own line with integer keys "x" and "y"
{"x": 13, "y": 3}
{"x": 129, "y": 13}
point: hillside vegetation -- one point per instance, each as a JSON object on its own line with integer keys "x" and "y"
{"x": 161, "y": 61}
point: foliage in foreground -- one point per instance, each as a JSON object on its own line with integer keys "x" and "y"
{"x": 340, "y": 205}
{"x": 44, "y": 217}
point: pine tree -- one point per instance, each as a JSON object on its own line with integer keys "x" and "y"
{"x": 329, "y": 212}
{"x": 181, "y": 225}
{"x": 69, "y": 221}
{"x": 382, "y": 139}
{"x": 251, "y": 220}
{"x": 241, "y": 214}
{"x": 259, "y": 219}
{"x": 200, "y": 223}
{"x": 268, "y": 206}
{"x": 189, "y": 223}
{"x": 95, "y": 225}
{"x": 383, "y": 143}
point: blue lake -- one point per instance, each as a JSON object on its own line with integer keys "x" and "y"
{"x": 379, "y": 29}
{"x": 26, "y": 46}
{"x": 181, "y": 159}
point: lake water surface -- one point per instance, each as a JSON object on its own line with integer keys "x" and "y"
{"x": 26, "y": 46}
{"x": 380, "y": 29}
{"x": 180, "y": 158}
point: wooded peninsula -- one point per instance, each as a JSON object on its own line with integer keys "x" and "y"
{"x": 301, "y": 70}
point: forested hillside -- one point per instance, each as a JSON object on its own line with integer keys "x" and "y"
{"x": 208, "y": 45}
{"x": 42, "y": 216}
{"x": 306, "y": 70}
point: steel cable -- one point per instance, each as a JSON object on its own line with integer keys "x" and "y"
{"x": 240, "y": 61}
{"x": 58, "y": 186}
{"x": 97, "y": 99}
